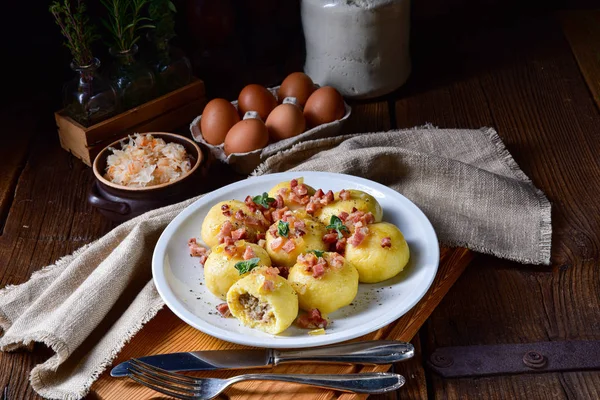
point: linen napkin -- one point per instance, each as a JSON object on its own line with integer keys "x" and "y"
{"x": 89, "y": 304}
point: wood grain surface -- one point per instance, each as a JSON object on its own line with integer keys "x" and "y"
{"x": 474, "y": 65}
{"x": 521, "y": 78}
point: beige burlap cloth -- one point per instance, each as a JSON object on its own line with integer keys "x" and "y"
{"x": 89, "y": 304}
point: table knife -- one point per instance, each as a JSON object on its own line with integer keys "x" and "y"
{"x": 368, "y": 352}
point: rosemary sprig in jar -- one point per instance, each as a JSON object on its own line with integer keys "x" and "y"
{"x": 125, "y": 21}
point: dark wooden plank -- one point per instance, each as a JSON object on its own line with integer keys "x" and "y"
{"x": 520, "y": 77}
{"x": 49, "y": 218}
{"x": 582, "y": 29}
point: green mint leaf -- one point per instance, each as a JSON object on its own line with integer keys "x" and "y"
{"x": 317, "y": 253}
{"x": 283, "y": 228}
{"x": 247, "y": 265}
{"x": 263, "y": 200}
{"x": 336, "y": 223}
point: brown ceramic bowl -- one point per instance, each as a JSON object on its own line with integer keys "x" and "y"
{"x": 120, "y": 203}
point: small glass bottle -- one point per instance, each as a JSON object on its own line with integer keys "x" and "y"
{"x": 135, "y": 82}
{"x": 171, "y": 67}
{"x": 89, "y": 98}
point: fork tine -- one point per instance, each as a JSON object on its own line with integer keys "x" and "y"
{"x": 159, "y": 380}
{"x": 164, "y": 374}
{"x": 161, "y": 389}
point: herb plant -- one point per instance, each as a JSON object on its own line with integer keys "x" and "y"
{"x": 336, "y": 223}
{"x": 283, "y": 228}
{"x": 75, "y": 27}
{"x": 162, "y": 14}
{"x": 124, "y": 22}
{"x": 263, "y": 200}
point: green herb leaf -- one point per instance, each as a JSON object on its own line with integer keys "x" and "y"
{"x": 283, "y": 228}
{"x": 336, "y": 223}
{"x": 263, "y": 200}
{"x": 247, "y": 265}
{"x": 317, "y": 253}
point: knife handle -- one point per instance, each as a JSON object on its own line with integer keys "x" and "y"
{"x": 369, "y": 352}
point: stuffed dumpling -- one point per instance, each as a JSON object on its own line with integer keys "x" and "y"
{"x": 294, "y": 194}
{"x": 325, "y": 281}
{"x": 346, "y": 201}
{"x": 293, "y": 235}
{"x": 263, "y": 300}
{"x": 379, "y": 253}
{"x": 232, "y": 219}
{"x": 228, "y": 263}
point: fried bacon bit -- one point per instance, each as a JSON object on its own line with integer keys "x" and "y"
{"x": 289, "y": 246}
{"x": 386, "y": 242}
{"x": 271, "y": 272}
{"x": 359, "y": 235}
{"x": 293, "y": 183}
{"x": 195, "y": 249}
{"x": 317, "y": 266}
{"x": 252, "y": 221}
{"x": 283, "y": 191}
{"x": 279, "y": 213}
{"x": 230, "y": 250}
{"x": 273, "y": 230}
{"x": 225, "y": 231}
{"x": 277, "y": 243}
{"x": 228, "y": 241}
{"x": 340, "y": 245}
{"x": 268, "y": 285}
{"x": 311, "y": 208}
{"x": 300, "y": 190}
{"x": 328, "y": 198}
{"x": 344, "y": 194}
{"x": 299, "y": 224}
{"x": 330, "y": 237}
{"x": 354, "y": 209}
{"x": 312, "y": 320}
{"x": 223, "y": 309}
{"x": 249, "y": 253}
{"x": 262, "y": 243}
{"x": 203, "y": 259}
{"x": 260, "y": 235}
{"x": 251, "y": 204}
{"x": 336, "y": 261}
{"x": 226, "y": 211}
{"x": 299, "y": 232}
{"x": 239, "y": 234}
{"x": 240, "y": 215}
{"x": 279, "y": 201}
{"x": 343, "y": 216}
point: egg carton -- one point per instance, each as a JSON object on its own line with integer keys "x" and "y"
{"x": 245, "y": 163}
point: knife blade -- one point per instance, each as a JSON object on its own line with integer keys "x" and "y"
{"x": 368, "y": 352}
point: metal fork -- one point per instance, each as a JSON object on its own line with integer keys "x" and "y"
{"x": 185, "y": 387}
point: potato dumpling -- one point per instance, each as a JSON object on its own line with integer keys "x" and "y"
{"x": 357, "y": 199}
{"x": 219, "y": 269}
{"x": 326, "y": 283}
{"x": 303, "y": 233}
{"x": 381, "y": 255}
{"x": 263, "y": 300}
{"x": 294, "y": 199}
{"x": 252, "y": 223}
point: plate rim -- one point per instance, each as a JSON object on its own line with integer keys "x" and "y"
{"x": 167, "y": 294}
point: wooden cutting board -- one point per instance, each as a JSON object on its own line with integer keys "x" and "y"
{"x": 166, "y": 333}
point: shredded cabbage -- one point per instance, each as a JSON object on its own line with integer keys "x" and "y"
{"x": 146, "y": 161}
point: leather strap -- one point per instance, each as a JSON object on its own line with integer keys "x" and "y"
{"x": 472, "y": 361}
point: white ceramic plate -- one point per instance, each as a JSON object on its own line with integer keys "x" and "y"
{"x": 180, "y": 280}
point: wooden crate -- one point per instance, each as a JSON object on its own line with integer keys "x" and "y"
{"x": 163, "y": 114}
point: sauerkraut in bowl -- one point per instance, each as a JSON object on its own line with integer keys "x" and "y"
{"x": 144, "y": 160}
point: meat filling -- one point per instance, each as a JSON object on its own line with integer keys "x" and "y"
{"x": 255, "y": 309}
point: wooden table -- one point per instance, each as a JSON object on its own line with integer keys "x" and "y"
{"x": 535, "y": 78}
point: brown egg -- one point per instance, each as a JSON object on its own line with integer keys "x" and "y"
{"x": 247, "y": 135}
{"x": 285, "y": 121}
{"x": 325, "y": 105}
{"x": 298, "y": 85}
{"x": 217, "y": 119}
{"x": 256, "y": 98}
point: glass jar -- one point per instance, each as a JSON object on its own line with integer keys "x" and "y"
{"x": 360, "y": 47}
{"x": 89, "y": 98}
{"x": 134, "y": 81}
{"x": 171, "y": 67}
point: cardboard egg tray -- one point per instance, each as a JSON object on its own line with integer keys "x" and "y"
{"x": 245, "y": 163}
